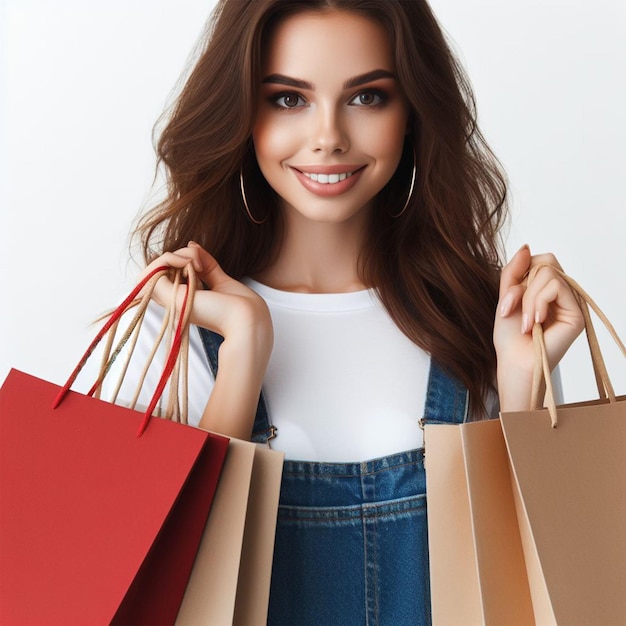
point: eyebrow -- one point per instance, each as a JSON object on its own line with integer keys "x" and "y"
{"x": 355, "y": 81}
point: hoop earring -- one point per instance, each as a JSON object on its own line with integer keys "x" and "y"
{"x": 245, "y": 201}
{"x": 411, "y": 188}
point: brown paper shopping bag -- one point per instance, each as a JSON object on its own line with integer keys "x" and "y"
{"x": 477, "y": 570}
{"x": 230, "y": 581}
{"x": 569, "y": 471}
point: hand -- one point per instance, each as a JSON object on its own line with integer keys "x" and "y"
{"x": 241, "y": 316}
{"x": 547, "y": 300}
{"x": 228, "y": 307}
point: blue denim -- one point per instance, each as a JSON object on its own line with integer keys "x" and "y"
{"x": 352, "y": 538}
{"x": 351, "y": 543}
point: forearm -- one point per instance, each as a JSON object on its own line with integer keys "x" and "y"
{"x": 231, "y": 408}
{"x": 514, "y": 387}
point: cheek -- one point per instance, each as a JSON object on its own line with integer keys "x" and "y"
{"x": 385, "y": 139}
{"x": 273, "y": 141}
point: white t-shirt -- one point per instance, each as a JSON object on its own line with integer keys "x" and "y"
{"x": 343, "y": 383}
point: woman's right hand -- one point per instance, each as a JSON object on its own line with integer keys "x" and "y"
{"x": 241, "y": 316}
{"x": 227, "y": 308}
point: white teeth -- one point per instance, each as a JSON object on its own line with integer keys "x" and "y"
{"x": 328, "y": 179}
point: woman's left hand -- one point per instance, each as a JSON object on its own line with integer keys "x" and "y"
{"x": 547, "y": 300}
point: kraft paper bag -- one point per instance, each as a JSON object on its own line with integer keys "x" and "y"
{"x": 569, "y": 479}
{"x": 97, "y": 525}
{"x": 570, "y": 489}
{"x": 230, "y": 581}
{"x": 477, "y": 568}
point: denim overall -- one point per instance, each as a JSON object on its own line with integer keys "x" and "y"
{"x": 351, "y": 540}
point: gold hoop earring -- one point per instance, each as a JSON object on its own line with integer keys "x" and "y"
{"x": 411, "y": 188}
{"x": 245, "y": 201}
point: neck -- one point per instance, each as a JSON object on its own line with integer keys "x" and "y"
{"x": 318, "y": 257}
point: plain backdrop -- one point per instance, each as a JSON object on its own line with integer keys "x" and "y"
{"x": 83, "y": 83}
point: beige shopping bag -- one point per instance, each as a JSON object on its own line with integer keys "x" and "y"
{"x": 569, "y": 470}
{"x": 230, "y": 580}
{"x": 570, "y": 487}
{"x": 477, "y": 569}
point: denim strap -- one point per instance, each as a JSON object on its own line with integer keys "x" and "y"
{"x": 262, "y": 430}
{"x": 447, "y": 399}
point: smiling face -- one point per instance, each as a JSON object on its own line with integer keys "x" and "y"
{"x": 332, "y": 119}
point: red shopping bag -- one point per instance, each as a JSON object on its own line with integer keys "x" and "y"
{"x": 97, "y": 525}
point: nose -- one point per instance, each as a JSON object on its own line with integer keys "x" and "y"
{"x": 328, "y": 130}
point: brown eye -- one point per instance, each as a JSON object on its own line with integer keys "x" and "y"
{"x": 368, "y": 99}
{"x": 289, "y": 101}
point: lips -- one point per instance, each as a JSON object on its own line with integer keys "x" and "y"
{"x": 328, "y": 180}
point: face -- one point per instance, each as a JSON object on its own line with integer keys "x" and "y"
{"x": 332, "y": 119}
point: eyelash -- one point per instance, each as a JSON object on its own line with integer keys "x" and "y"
{"x": 276, "y": 98}
{"x": 382, "y": 98}
{"x": 279, "y": 96}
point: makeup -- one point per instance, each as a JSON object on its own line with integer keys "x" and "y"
{"x": 327, "y": 181}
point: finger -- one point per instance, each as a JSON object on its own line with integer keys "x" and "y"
{"x": 179, "y": 259}
{"x": 515, "y": 270}
{"x": 545, "y": 273}
{"x": 545, "y": 259}
{"x": 529, "y": 300}
{"x": 210, "y": 271}
{"x": 558, "y": 294}
{"x": 549, "y": 296}
{"x": 511, "y": 300}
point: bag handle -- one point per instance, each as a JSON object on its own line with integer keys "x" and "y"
{"x": 174, "y": 410}
{"x": 542, "y": 367}
{"x": 149, "y": 283}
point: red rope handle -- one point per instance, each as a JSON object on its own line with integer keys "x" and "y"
{"x": 169, "y": 365}
{"x": 115, "y": 316}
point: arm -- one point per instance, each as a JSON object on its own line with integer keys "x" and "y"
{"x": 241, "y": 316}
{"x": 547, "y": 300}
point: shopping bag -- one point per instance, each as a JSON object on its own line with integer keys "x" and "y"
{"x": 230, "y": 581}
{"x": 100, "y": 515}
{"x": 477, "y": 568}
{"x": 569, "y": 480}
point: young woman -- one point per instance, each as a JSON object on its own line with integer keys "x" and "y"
{"x": 330, "y": 186}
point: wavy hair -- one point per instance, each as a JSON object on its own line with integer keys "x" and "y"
{"x": 436, "y": 266}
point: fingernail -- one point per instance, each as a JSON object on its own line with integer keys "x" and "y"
{"x": 193, "y": 243}
{"x": 524, "y": 247}
{"x": 507, "y": 303}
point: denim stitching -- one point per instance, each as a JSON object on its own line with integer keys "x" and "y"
{"x": 357, "y": 512}
{"x": 372, "y": 595}
{"x": 366, "y": 567}
{"x": 352, "y": 470}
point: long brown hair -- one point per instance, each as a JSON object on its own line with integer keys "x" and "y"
{"x": 436, "y": 266}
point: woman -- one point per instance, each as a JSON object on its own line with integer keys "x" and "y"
{"x": 328, "y": 182}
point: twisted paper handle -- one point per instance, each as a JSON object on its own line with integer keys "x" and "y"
{"x": 542, "y": 367}
{"x": 176, "y": 360}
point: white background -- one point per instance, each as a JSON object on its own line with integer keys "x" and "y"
{"x": 83, "y": 83}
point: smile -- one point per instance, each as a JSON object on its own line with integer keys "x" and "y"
{"x": 328, "y": 179}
